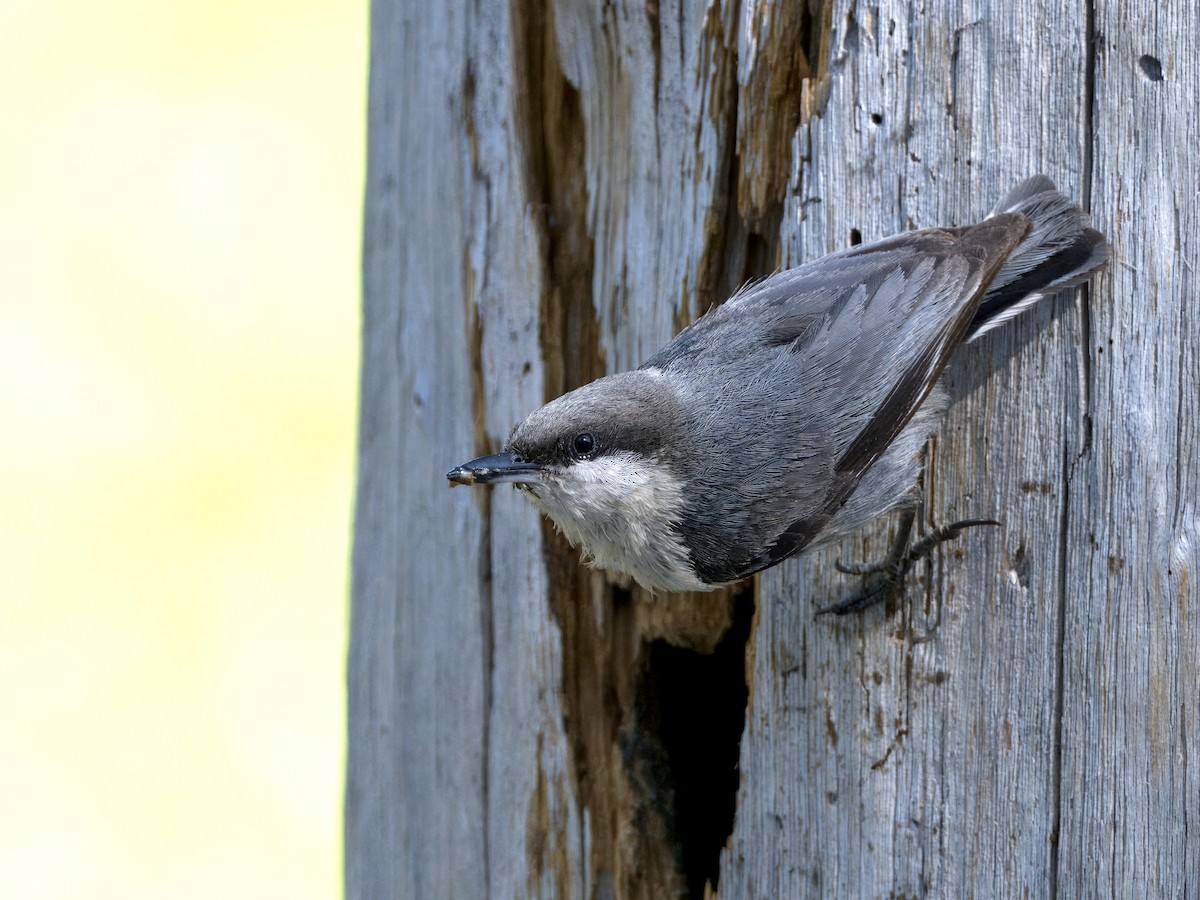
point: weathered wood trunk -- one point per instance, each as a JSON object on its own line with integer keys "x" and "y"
{"x": 554, "y": 188}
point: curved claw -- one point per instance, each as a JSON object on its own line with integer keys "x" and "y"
{"x": 962, "y": 524}
{"x": 857, "y": 568}
{"x": 857, "y": 604}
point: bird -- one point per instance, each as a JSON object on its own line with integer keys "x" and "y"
{"x": 796, "y": 412}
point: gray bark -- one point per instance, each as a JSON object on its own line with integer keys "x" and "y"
{"x": 554, "y": 189}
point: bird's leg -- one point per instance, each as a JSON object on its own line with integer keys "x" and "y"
{"x": 890, "y": 573}
{"x": 895, "y": 555}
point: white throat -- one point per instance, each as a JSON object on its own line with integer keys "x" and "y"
{"x": 621, "y": 509}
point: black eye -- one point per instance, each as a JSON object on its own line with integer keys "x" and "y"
{"x": 584, "y": 445}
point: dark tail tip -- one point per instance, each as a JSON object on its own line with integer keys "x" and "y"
{"x": 1060, "y": 251}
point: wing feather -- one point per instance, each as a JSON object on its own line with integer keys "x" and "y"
{"x": 835, "y": 356}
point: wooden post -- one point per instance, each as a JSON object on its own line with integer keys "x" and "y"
{"x": 555, "y": 187}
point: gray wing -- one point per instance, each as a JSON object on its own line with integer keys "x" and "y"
{"x": 810, "y": 375}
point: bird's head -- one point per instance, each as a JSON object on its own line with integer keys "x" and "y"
{"x": 599, "y": 462}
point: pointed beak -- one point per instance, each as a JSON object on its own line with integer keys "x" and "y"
{"x": 499, "y": 468}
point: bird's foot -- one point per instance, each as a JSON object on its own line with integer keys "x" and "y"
{"x": 886, "y": 578}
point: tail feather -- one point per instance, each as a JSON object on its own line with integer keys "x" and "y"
{"x": 1060, "y": 251}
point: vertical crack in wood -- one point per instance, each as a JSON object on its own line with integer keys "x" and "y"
{"x": 1071, "y": 458}
{"x": 652, "y": 18}
{"x": 1091, "y": 41}
{"x": 790, "y": 44}
{"x": 630, "y": 851}
{"x": 720, "y": 268}
{"x": 654, "y": 729}
{"x": 483, "y": 499}
{"x": 1060, "y": 636}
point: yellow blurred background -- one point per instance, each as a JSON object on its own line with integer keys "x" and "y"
{"x": 179, "y": 238}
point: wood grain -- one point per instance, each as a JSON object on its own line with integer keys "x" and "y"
{"x": 555, "y": 187}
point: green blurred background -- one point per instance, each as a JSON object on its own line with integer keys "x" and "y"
{"x": 180, "y": 192}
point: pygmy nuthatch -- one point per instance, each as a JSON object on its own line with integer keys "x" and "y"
{"x": 794, "y": 413}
